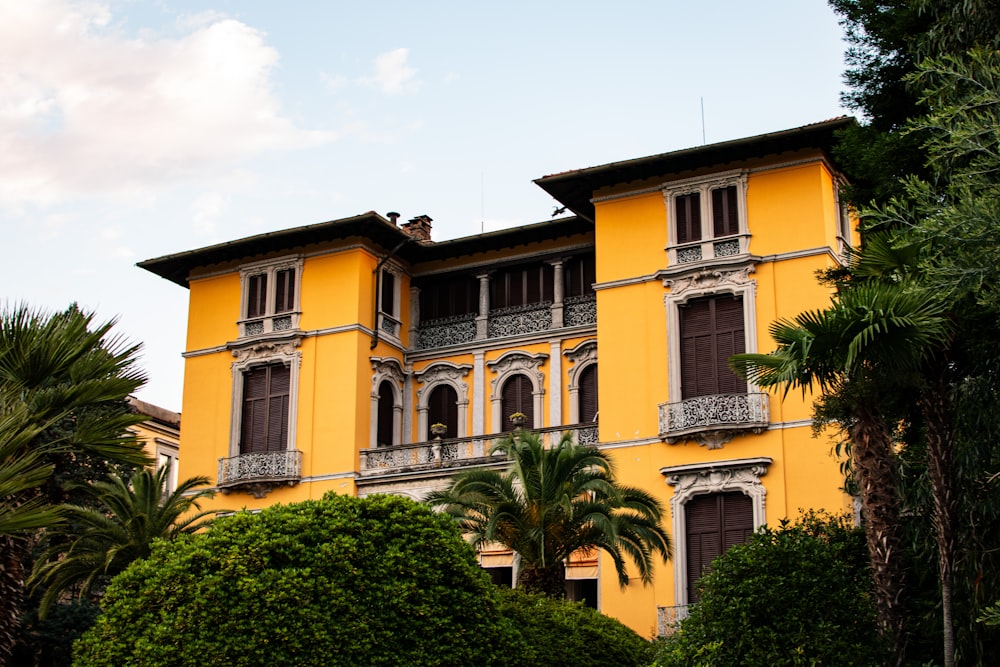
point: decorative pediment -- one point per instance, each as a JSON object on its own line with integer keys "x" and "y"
{"x": 709, "y": 281}
{"x": 517, "y": 362}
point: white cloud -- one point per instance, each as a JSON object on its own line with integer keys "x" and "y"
{"x": 393, "y": 75}
{"x": 85, "y": 108}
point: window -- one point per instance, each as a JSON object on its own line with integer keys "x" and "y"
{"x": 449, "y": 297}
{"x": 266, "y": 391}
{"x": 588, "y": 395}
{"x": 166, "y": 457}
{"x": 522, "y": 285}
{"x": 442, "y": 408}
{"x": 388, "y": 301}
{"x": 517, "y": 397}
{"x": 706, "y": 217}
{"x": 385, "y": 426}
{"x": 582, "y": 590}
{"x": 711, "y": 331}
{"x": 270, "y": 297}
{"x": 714, "y": 522}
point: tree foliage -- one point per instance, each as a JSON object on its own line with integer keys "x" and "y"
{"x": 794, "y": 595}
{"x": 557, "y": 633}
{"x": 553, "y": 502}
{"x": 120, "y": 527}
{"x": 338, "y": 581}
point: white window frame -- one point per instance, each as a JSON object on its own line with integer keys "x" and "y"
{"x": 167, "y": 455}
{"x": 516, "y": 362}
{"x": 270, "y": 322}
{"x": 390, "y": 323}
{"x": 694, "y": 479}
{"x": 255, "y": 356}
{"x": 708, "y": 248}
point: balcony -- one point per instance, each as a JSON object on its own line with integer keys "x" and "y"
{"x": 713, "y": 420}
{"x": 259, "y": 472}
{"x": 709, "y": 249}
{"x": 456, "y": 452}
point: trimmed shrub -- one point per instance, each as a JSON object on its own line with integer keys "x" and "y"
{"x": 558, "y": 633}
{"x": 796, "y": 595}
{"x": 339, "y": 581}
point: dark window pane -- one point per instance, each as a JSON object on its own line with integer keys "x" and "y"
{"x": 265, "y": 409}
{"x": 516, "y": 397}
{"x": 257, "y": 295}
{"x": 284, "y": 291}
{"x": 687, "y": 211}
{"x": 713, "y": 523}
{"x": 388, "y": 293}
{"x": 386, "y": 398}
{"x": 725, "y": 220}
{"x": 711, "y": 331}
{"x": 588, "y": 394}
{"x": 442, "y": 408}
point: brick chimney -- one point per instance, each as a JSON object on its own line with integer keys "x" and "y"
{"x": 419, "y": 228}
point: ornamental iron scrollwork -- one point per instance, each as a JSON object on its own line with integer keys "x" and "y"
{"x": 714, "y": 419}
{"x": 446, "y": 331}
{"x": 727, "y": 248}
{"x": 580, "y": 310}
{"x": 259, "y": 470}
{"x": 690, "y": 254}
{"x": 520, "y": 319}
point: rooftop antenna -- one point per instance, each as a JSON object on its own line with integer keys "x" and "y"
{"x": 482, "y": 202}
{"x": 703, "y": 142}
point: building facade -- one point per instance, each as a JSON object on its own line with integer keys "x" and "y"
{"x": 361, "y": 357}
{"x": 160, "y": 437}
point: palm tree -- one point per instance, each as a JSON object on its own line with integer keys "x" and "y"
{"x": 551, "y": 503}
{"x": 866, "y": 354}
{"x": 139, "y": 512}
{"x": 54, "y": 368}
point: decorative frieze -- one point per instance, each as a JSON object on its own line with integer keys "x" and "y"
{"x": 709, "y": 280}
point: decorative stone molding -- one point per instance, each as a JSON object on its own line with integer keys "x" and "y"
{"x": 264, "y": 353}
{"x": 582, "y": 357}
{"x": 694, "y": 479}
{"x": 709, "y": 281}
{"x": 516, "y": 362}
{"x": 443, "y": 372}
{"x": 391, "y": 370}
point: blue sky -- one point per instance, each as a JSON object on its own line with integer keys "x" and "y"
{"x": 131, "y": 130}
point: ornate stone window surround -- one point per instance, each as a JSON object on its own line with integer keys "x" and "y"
{"x": 700, "y": 478}
{"x": 516, "y": 362}
{"x": 264, "y": 354}
{"x": 442, "y": 372}
{"x": 732, "y": 279}
{"x": 582, "y": 356}
{"x": 708, "y": 247}
{"x": 270, "y": 322}
{"x": 387, "y": 369}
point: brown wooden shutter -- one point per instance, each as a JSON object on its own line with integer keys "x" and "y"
{"x": 442, "y": 408}
{"x": 386, "y": 398}
{"x": 711, "y": 331}
{"x": 713, "y": 523}
{"x": 257, "y": 295}
{"x": 588, "y": 394}
{"x": 725, "y": 218}
{"x": 516, "y": 397}
{"x": 277, "y": 412}
{"x": 265, "y": 409}
{"x": 284, "y": 291}
{"x": 687, "y": 210}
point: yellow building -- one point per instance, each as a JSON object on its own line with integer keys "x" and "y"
{"x": 160, "y": 436}
{"x": 360, "y": 356}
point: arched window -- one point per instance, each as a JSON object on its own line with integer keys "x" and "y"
{"x": 517, "y": 397}
{"x": 442, "y": 408}
{"x": 386, "y": 398}
{"x": 588, "y": 394}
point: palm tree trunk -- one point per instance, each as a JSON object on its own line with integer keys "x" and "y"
{"x": 13, "y": 552}
{"x": 877, "y": 474}
{"x": 935, "y": 405}
{"x": 549, "y": 580}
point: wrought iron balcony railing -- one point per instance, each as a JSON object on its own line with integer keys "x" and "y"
{"x": 455, "y": 452}
{"x": 260, "y": 471}
{"x": 713, "y": 419}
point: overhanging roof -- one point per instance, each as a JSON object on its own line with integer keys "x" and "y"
{"x": 575, "y": 189}
{"x": 372, "y": 226}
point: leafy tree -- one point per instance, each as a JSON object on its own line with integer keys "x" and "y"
{"x": 338, "y": 581}
{"x": 551, "y": 503}
{"x": 53, "y": 368}
{"x": 863, "y": 353}
{"x": 558, "y": 633}
{"x": 129, "y": 516}
{"x": 795, "y": 595}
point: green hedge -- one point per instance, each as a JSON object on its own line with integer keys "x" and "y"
{"x": 557, "y": 634}
{"x": 796, "y": 595}
{"x": 340, "y": 581}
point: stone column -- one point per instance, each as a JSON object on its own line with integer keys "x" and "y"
{"x": 482, "y": 320}
{"x": 557, "y": 294}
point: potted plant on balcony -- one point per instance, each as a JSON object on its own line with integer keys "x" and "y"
{"x": 438, "y": 429}
{"x": 518, "y": 419}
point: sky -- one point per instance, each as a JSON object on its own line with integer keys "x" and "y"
{"x": 134, "y": 129}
